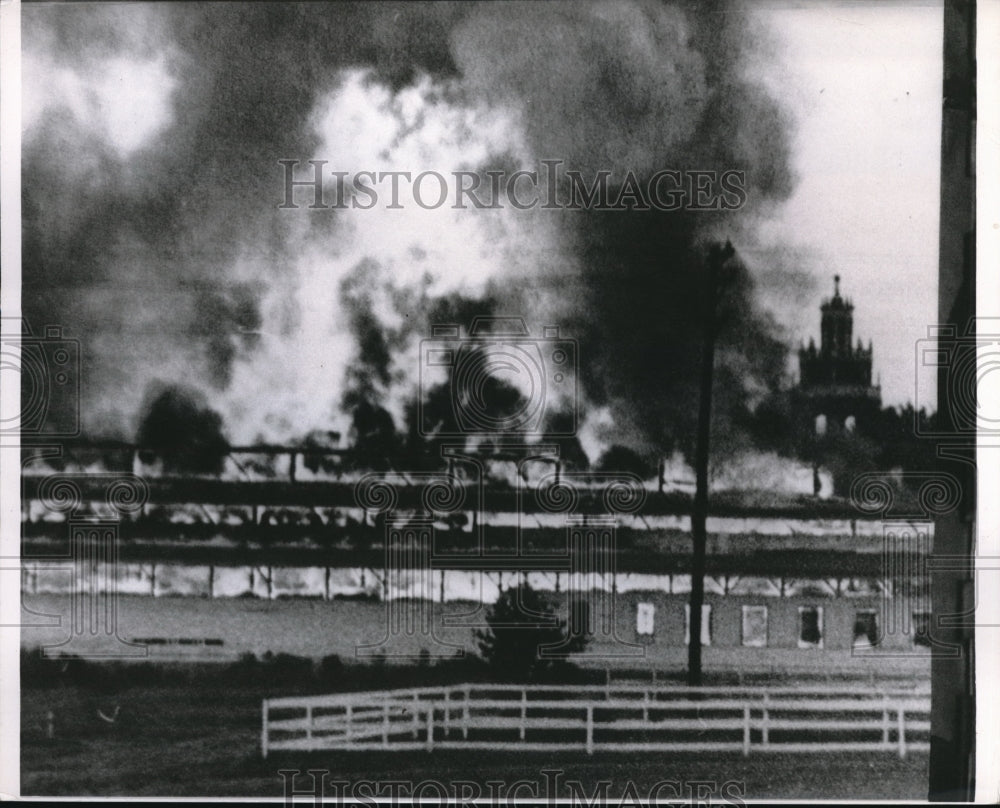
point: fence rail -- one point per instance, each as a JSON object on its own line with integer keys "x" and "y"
{"x": 602, "y": 718}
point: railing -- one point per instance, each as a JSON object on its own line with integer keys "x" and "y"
{"x": 327, "y": 492}
{"x": 600, "y": 718}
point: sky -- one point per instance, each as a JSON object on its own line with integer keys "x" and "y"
{"x": 867, "y": 87}
{"x": 112, "y": 118}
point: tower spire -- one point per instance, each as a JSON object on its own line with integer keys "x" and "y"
{"x": 836, "y": 285}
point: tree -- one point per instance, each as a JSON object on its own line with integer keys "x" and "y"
{"x": 183, "y": 431}
{"x": 847, "y": 455}
{"x": 560, "y": 430}
{"x": 521, "y": 625}
{"x": 373, "y": 437}
{"x": 619, "y": 458}
{"x": 321, "y": 439}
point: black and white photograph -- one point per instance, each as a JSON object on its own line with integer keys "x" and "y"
{"x": 488, "y": 402}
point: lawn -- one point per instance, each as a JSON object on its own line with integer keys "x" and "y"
{"x": 202, "y": 739}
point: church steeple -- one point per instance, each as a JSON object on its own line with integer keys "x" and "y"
{"x": 837, "y": 324}
{"x": 839, "y": 363}
{"x": 836, "y": 380}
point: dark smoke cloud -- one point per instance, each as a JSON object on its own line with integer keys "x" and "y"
{"x": 641, "y": 327}
{"x": 644, "y": 87}
{"x": 635, "y": 86}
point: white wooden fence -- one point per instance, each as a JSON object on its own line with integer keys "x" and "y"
{"x": 602, "y": 718}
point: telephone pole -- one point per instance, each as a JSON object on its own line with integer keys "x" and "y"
{"x": 717, "y": 256}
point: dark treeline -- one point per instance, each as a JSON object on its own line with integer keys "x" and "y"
{"x": 180, "y": 431}
{"x": 890, "y": 439}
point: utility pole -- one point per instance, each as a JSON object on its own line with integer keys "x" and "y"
{"x": 717, "y": 256}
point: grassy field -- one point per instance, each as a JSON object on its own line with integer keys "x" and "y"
{"x": 202, "y": 739}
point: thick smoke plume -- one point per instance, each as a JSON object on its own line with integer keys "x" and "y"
{"x": 165, "y": 253}
{"x": 643, "y": 87}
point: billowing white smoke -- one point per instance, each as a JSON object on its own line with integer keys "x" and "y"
{"x": 760, "y": 471}
{"x": 295, "y": 377}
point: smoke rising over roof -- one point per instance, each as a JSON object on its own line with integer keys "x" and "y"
{"x": 157, "y": 239}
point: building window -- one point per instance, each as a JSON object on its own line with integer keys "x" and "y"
{"x": 810, "y": 627}
{"x": 706, "y": 624}
{"x": 865, "y": 629}
{"x": 645, "y": 619}
{"x": 922, "y": 629}
{"x": 755, "y": 626}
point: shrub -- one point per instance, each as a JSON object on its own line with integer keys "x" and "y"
{"x": 331, "y": 670}
{"x": 522, "y": 623}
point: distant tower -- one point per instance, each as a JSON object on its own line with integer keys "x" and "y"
{"x": 836, "y": 381}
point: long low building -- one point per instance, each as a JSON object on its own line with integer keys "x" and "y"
{"x": 803, "y": 586}
{"x": 808, "y": 628}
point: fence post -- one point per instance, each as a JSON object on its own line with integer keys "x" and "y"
{"x": 590, "y": 729}
{"x": 607, "y": 684}
{"x": 416, "y": 715}
{"x": 447, "y": 712}
{"x": 309, "y": 722}
{"x": 524, "y": 712}
{"x": 746, "y": 730}
{"x": 901, "y": 729}
{"x": 430, "y": 727}
{"x": 263, "y": 732}
{"x": 350, "y": 723}
{"x": 765, "y": 729}
{"x": 385, "y": 725}
{"x": 885, "y": 720}
{"x": 645, "y": 705}
{"x": 465, "y": 715}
